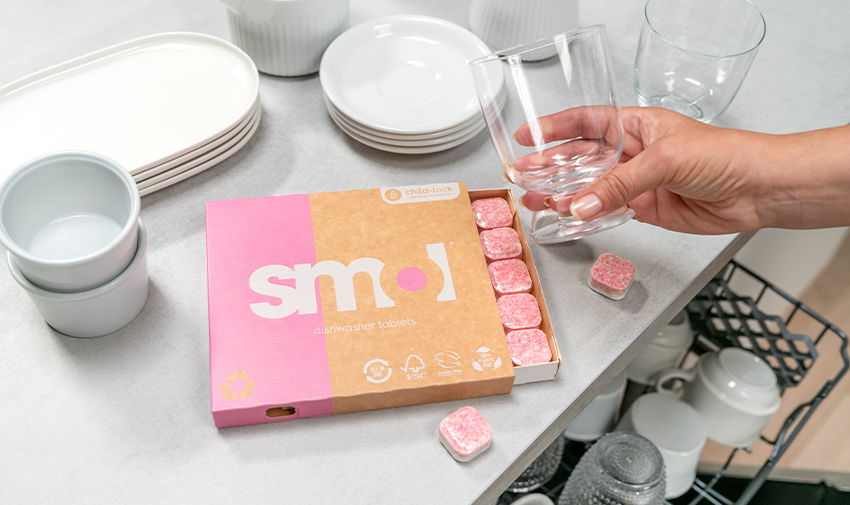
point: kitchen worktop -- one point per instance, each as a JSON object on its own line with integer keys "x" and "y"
{"x": 126, "y": 418}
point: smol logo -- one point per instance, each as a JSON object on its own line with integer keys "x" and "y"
{"x": 392, "y": 195}
{"x": 232, "y": 380}
{"x": 377, "y": 371}
{"x": 302, "y": 298}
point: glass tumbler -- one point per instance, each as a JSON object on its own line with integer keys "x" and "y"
{"x": 555, "y": 123}
{"x": 693, "y": 55}
{"x": 541, "y": 470}
{"x": 619, "y": 469}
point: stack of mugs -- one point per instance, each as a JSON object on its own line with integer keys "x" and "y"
{"x": 728, "y": 396}
{"x": 70, "y": 221}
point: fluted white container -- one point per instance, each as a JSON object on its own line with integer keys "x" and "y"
{"x": 507, "y": 23}
{"x": 286, "y": 37}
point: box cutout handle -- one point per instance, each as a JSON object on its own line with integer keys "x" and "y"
{"x": 280, "y": 411}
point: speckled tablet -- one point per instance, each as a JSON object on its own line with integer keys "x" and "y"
{"x": 500, "y": 244}
{"x": 611, "y": 276}
{"x": 465, "y": 433}
{"x": 492, "y": 213}
{"x": 519, "y": 312}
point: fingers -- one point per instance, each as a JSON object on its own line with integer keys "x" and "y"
{"x": 558, "y": 155}
{"x": 597, "y": 121}
{"x": 620, "y": 186}
{"x": 536, "y": 202}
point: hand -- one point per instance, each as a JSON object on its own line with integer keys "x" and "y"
{"x": 687, "y": 176}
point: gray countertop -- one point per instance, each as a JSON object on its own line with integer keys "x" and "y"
{"x": 126, "y": 418}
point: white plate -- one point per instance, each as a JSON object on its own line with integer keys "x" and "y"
{"x": 191, "y": 155}
{"x": 203, "y": 158}
{"x": 474, "y": 128}
{"x": 180, "y": 175}
{"x": 401, "y": 150}
{"x": 403, "y": 74}
{"x": 402, "y": 136}
{"x": 141, "y": 103}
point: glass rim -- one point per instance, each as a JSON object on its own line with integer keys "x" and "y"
{"x": 536, "y": 45}
{"x": 720, "y": 56}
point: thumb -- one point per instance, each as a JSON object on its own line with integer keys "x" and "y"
{"x": 618, "y": 187}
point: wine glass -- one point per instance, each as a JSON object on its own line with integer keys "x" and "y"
{"x": 555, "y": 123}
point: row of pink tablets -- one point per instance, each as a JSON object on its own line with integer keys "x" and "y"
{"x": 520, "y": 313}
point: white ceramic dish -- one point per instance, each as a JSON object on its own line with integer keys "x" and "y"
{"x": 196, "y": 169}
{"x": 505, "y": 23}
{"x": 403, "y": 74}
{"x": 141, "y": 103}
{"x": 663, "y": 352}
{"x": 534, "y": 499}
{"x": 678, "y": 432}
{"x": 191, "y": 155}
{"x": 473, "y": 128}
{"x": 599, "y": 417}
{"x": 98, "y": 311}
{"x": 286, "y": 37}
{"x": 69, "y": 219}
{"x": 734, "y": 391}
{"x": 401, "y": 136}
{"x": 205, "y": 157}
{"x": 398, "y": 149}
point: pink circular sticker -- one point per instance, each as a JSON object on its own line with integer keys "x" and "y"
{"x": 411, "y": 279}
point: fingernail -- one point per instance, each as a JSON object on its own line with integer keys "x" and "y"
{"x": 585, "y": 207}
{"x": 521, "y": 202}
{"x": 505, "y": 176}
{"x": 547, "y": 201}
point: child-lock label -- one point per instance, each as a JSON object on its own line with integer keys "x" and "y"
{"x": 423, "y": 193}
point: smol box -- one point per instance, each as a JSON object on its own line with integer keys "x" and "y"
{"x": 340, "y": 302}
{"x": 542, "y": 371}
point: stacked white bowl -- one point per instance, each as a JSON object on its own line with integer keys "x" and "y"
{"x": 70, "y": 221}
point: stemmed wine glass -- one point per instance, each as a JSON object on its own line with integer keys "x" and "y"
{"x": 555, "y": 122}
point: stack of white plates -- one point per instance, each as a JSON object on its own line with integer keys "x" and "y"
{"x": 165, "y": 107}
{"x": 402, "y": 84}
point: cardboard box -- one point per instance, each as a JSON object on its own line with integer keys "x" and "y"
{"x": 542, "y": 371}
{"x": 339, "y": 302}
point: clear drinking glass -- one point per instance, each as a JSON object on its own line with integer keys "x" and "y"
{"x": 693, "y": 55}
{"x": 619, "y": 469}
{"x": 541, "y": 470}
{"x": 555, "y": 123}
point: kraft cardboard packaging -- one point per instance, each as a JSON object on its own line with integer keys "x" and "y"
{"x": 340, "y": 302}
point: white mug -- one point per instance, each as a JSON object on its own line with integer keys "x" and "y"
{"x": 663, "y": 352}
{"x": 598, "y": 418}
{"x": 676, "y": 429}
{"x": 734, "y": 392}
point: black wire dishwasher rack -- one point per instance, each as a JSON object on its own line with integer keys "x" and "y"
{"x": 720, "y": 317}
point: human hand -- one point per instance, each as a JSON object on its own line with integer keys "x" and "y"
{"x": 675, "y": 172}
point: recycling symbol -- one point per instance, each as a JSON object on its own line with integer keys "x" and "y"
{"x": 233, "y": 380}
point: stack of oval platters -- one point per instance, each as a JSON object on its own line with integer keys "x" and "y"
{"x": 402, "y": 84}
{"x": 165, "y": 107}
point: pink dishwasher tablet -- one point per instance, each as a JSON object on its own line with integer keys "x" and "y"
{"x": 509, "y": 277}
{"x": 519, "y": 312}
{"x": 528, "y": 347}
{"x": 492, "y": 213}
{"x": 611, "y": 276}
{"x": 500, "y": 244}
{"x": 465, "y": 433}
